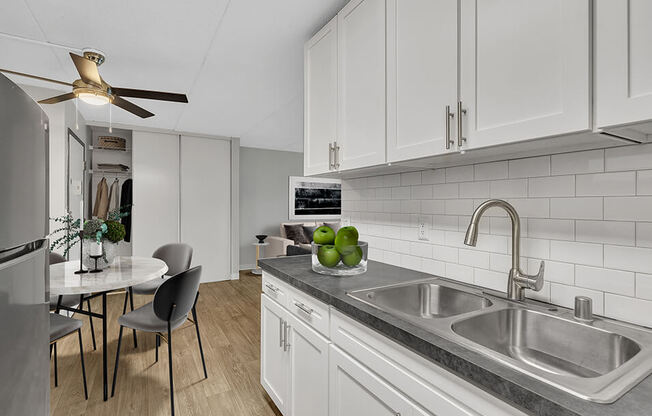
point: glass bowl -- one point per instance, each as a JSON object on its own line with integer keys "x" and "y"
{"x": 351, "y": 262}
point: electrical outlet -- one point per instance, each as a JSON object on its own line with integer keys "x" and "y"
{"x": 422, "y": 230}
{"x": 346, "y": 221}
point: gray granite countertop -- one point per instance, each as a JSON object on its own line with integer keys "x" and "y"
{"x": 515, "y": 388}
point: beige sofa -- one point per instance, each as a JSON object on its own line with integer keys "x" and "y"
{"x": 278, "y": 244}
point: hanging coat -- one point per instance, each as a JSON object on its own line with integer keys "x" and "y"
{"x": 114, "y": 196}
{"x": 101, "y": 206}
{"x": 126, "y": 201}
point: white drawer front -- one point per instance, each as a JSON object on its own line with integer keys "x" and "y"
{"x": 310, "y": 310}
{"x": 275, "y": 289}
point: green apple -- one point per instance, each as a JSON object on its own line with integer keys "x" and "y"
{"x": 353, "y": 258}
{"x": 328, "y": 256}
{"x": 324, "y": 235}
{"x": 346, "y": 239}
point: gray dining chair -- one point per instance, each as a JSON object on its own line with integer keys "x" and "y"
{"x": 70, "y": 300}
{"x": 60, "y": 327}
{"x": 177, "y": 256}
{"x": 173, "y": 301}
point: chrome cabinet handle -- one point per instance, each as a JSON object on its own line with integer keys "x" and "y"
{"x": 449, "y": 115}
{"x": 280, "y": 332}
{"x": 331, "y": 152}
{"x": 460, "y": 137}
{"x": 271, "y": 287}
{"x": 303, "y": 307}
{"x": 336, "y": 152}
{"x": 286, "y": 344}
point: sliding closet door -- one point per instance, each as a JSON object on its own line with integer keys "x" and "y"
{"x": 206, "y": 204}
{"x": 155, "y": 213}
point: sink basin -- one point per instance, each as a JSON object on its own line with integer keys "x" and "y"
{"x": 548, "y": 343}
{"x": 423, "y": 300}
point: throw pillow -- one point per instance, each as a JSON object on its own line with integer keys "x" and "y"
{"x": 309, "y": 230}
{"x": 334, "y": 225}
{"x": 295, "y": 233}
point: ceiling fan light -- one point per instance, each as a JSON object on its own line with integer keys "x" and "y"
{"x": 93, "y": 99}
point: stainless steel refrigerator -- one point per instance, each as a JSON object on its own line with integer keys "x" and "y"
{"x": 24, "y": 278}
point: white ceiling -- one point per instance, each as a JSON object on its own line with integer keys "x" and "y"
{"x": 239, "y": 61}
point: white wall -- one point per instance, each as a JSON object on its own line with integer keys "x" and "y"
{"x": 264, "y": 191}
{"x": 62, "y": 118}
{"x": 587, "y": 214}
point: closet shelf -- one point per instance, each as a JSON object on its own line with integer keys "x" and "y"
{"x": 108, "y": 172}
{"x": 109, "y": 149}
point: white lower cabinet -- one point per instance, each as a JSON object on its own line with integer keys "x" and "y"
{"x": 352, "y": 370}
{"x": 294, "y": 362}
{"x": 355, "y": 390}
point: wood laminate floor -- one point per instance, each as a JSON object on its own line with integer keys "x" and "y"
{"x": 229, "y": 321}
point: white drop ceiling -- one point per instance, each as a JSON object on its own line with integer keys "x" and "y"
{"x": 239, "y": 61}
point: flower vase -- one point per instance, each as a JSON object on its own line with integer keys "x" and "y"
{"x": 109, "y": 251}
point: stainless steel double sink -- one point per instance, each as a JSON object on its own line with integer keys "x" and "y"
{"x": 597, "y": 361}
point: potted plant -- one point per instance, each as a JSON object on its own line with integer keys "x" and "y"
{"x": 101, "y": 238}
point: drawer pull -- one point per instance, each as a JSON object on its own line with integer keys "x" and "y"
{"x": 303, "y": 307}
{"x": 271, "y": 287}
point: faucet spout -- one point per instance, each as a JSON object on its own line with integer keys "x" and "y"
{"x": 518, "y": 281}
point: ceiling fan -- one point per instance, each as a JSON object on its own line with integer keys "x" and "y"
{"x": 92, "y": 89}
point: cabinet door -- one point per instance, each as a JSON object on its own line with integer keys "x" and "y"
{"x": 623, "y": 60}
{"x": 421, "y": 76}
{"x": 155, "y": 211}
{"x": 273, "y": 359}
{"x": 524, "y": 69}
{"x": 356, "y": 391}
{"x": 361, "y": 80}
{"x": 308, "y": 356}
{"x": 320, "y": 95}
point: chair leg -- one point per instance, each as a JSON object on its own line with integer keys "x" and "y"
{"x": 170, "y": 366}
{"x": 81, "y": 354}
{"x": 117, "y": 359}
{"x": 131, "y": 301}
{"x": 201, "y": 350}
{"x": 90, "y": 319}
{"x": 158, "y": 343}
{"x": 56, "y": 375}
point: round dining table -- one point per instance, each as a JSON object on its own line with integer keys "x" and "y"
{"x": 122, "y": 274}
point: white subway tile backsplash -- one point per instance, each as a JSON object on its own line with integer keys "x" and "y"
{"x": 634, "y": 259}
{"x": 605, "y": 232}
{"x": 644, "y": 234}
{"x": 433, "y": 176}
{"x": 644, "y": 286}
{"x": 637, "y": 208}
{"x": 410, "y": 178}
{"x": 530, "y": 167}
{"x": 606, "y": 280}
{"x": 625, "y": 158}
{"x": 634, "y": 310}
{"x": 574, "y": 252}
{"x": 644, "y": 183}
{"x": 508, "y": 188}
{"x": 576, "y": 208}
{"x": 552, "y": 186}
{"x": 587, "y": 214}
{"x": 565, "y": 296}
{"x": 591, "y": 161}
{"x": 606, "y": 184}
{"x": 459, "y": 174}
{"x": 488, "y": 171}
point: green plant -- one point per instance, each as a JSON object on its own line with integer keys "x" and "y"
{"x": 95, "y": 229}
{"x": 70, "y": 228}
{"x": 115, "y": 231}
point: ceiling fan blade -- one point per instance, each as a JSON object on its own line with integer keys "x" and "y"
{"x": 150, "y": 95}
{"x": 58, "y": 98}
{"x": 87, "y": 70}
{"x": 132, "y": 108}
{"x": 36, "y": 77}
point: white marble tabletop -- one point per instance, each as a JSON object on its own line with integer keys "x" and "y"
{"x": 124, "y": 272}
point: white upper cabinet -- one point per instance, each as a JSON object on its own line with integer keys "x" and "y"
{"x": 524, "y": 69}
{"x": 361, "y": 80}
{"x": 623, "y": 61}
{"x": 421, "y": 76}
{"x": 320, "y": 100}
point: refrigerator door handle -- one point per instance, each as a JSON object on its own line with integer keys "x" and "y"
{"x": 11, "y": 257}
